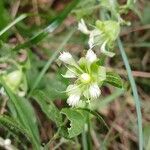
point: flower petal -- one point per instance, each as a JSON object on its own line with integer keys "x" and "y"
{"x": 82, "y": 27}
{"x": 69, "y": 74}
{"x": 103, "y": 50}
{"x": 67, "y": 58}
{"x": 94, "y": 91}
{"x": 91, "y": 56}
{"x": 73, "y": 89}
{"x": 94, "y": 38}
{"x": 73, "y": 100}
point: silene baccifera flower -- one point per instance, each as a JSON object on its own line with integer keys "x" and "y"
{"x": 104, "y": 35}
{"x": 88, "y": 76}
{"x": 16, "y": 81}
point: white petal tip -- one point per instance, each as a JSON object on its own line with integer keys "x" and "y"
{"x": 91, "y": 56}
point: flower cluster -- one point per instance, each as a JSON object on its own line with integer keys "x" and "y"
{"x": 104, "y": 34}
{"x": 88, "y": 76}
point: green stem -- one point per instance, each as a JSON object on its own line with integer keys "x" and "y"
{"x": 47, "y": 146}
{"x": 135, "y": 93}
{"x": 89, "y": 134}
{"x": 86, "y": 136}
{"x": 84, "y": 139}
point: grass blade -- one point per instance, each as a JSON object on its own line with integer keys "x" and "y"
{"x": 135, "y": 93}
{"x": 21, "y": 17}
{"x": 53, "y": 25}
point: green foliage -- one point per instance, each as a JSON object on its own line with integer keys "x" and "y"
{"x": 13, "y": 23}
{"x": 50, "y": 28}
{"x": 146, "y": 131}
{"x": 47, "y": 106}
{"x": 14, "y": 127}
{"x": 114, "y": 79}
{"x": 135, "y": 93}
{"x": 45, "y": 80}
{"x": 77, "y": 120}
{"x": 4, "y": 19}
{"x": 24, "y": 112}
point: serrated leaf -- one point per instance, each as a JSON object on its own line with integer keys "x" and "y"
{"x": 49, "y": 109}
{"x": 114, "y": 79}
{"x": 77, "y": 121}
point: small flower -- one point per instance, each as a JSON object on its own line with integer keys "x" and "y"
{"x": 82, "y": 27}
{"x": 88, "y": 76}
{"x": 104, "y": 35}
{"x": 91, "y": 56}
{"x": 94, "y": 91}
{"x": 66, "y": 57}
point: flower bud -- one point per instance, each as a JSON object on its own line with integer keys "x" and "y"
{"x": 82, "y": 27}
{"x": 67, "y": 58}
{"x": 13, "y": 79}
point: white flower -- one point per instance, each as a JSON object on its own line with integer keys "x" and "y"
{"x": 73, "y": 99}
{"x": 82, "y": 27}
{"x": 94, "y": 91}
{"x": 91, "y": 56}
{"x": 66, "y": 57}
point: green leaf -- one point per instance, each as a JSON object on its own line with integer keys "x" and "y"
{"x": 4, "y": 18}
{"x": 114, "y": 79}
{"x": 96, "y": 114}
{"x": 77, "y": 120}
{"x": 14, "y": 127}
{"x": 26, "y": 115}
{"x": 49, "y": 109}
{"x": 53, "y": 25}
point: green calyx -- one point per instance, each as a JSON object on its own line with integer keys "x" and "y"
{"x": 109, "y": 29}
